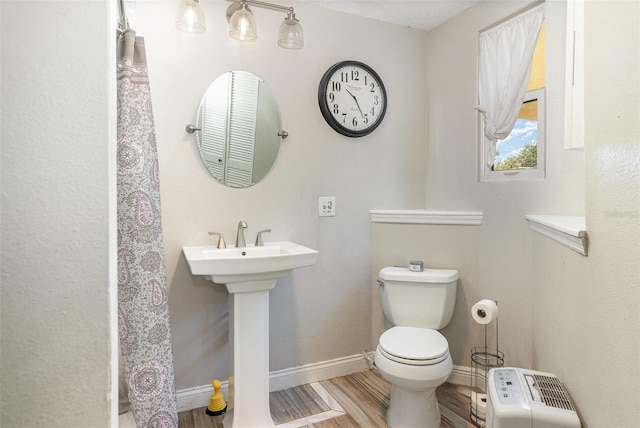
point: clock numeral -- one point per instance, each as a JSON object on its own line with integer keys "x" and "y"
{"x": 373, "y": 113}
{"x": 376, "y": 100}
{"x": 344, "y": 117}
{"x": 332, "y": 97}
{"x": 336, "y": 109}
{"x": 346, "y": 76}
{"x": 354, "y": 122}
{"x": 336, "y": 86}
{"x": 373, "y": 86}
{"x": 366, "y": 118}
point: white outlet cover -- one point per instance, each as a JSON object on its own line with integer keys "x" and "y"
{"x": 327, "y": 206}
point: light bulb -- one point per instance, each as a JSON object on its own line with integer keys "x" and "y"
{"x": 242, "y": 25}
{"x": 290, "y": 35}
{"x": 190, "y": 17}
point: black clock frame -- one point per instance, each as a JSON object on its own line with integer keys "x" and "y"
{"x": 326, "y": 111}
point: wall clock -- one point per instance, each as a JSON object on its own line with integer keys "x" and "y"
{"x": 352, "y": 98}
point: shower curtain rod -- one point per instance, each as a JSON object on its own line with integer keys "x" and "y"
{"x": 123, "y": 24}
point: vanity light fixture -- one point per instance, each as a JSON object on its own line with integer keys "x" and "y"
{"x": 242, "y": 25}
{"x": 190, "y": 17}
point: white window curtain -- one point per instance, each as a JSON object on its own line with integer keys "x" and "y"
{"x": 506, "y": 53}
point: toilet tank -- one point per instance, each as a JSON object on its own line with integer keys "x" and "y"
{"x": 418, "y": 299}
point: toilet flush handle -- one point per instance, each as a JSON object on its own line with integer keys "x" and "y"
{"x": 381, "y": 283}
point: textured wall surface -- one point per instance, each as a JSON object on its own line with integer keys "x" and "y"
{"x": 55, "y": 213}
{"x": 587, "y": 309}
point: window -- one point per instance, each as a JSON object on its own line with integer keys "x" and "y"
{"x": 521, "y": 154}
{"x": 523, "y": 150}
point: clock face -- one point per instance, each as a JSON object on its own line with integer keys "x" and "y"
{"x": 352, "y": 98}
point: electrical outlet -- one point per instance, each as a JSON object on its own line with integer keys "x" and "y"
{"x": 327, "y": 206}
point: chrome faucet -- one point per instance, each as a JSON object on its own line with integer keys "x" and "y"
{"x": 240, "y": 237}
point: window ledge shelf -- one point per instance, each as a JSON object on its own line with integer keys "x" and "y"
{"x": 464, "y": 218}
{"x": 569, "y": 231}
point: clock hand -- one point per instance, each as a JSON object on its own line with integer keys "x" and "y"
{"x": 357, "y": 104}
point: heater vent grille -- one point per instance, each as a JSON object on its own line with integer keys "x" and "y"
{"x": 551, "y": 391}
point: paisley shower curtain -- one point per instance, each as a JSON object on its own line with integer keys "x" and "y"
{"x": 143, "y": 311}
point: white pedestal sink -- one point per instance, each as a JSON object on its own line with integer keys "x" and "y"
{"x": 249, "y": 273}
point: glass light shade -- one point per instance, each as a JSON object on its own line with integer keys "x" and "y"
{"x": 290, "y": 35}
{"x": 190, "y": 17}
{"x": 242, "y": 25}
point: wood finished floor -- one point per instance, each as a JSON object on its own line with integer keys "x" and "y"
{"x": 362, "y": 400}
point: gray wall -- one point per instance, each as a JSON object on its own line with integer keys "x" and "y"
{"x": 504, "y": 267}
{"x": 561, "y": 312}
{"x": 310, "y": 309}
{"x": 56, "y": 193}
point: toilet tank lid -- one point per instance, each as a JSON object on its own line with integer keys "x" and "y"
{"x": 427, "y": 275}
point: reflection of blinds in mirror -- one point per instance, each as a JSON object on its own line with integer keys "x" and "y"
{"x": 214, "y": 121}
{"x": 242, "y": 125}
{"x": 235, "y": 176}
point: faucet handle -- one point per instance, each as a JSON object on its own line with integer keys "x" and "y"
{"x": 259, "y": 242}
{"x": 221, "y": 243}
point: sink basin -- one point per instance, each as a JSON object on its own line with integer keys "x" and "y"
{"x": 248, "y": 264}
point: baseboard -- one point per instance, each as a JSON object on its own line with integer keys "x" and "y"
{"x": 199, "y": 396}
{"x": 288, "y": 378}
{"x": 461, "y": 375}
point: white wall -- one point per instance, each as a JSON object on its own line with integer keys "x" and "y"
{"x": 57, "y": 145}
{"x": 587, "y": 322}
{"x": 322, "y": 312}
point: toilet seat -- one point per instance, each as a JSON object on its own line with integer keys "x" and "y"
{"x": 414, "y": 346}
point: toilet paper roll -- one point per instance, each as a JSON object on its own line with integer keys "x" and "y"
{"x": 479, "y": 408}
{"x": 484, "y": 311}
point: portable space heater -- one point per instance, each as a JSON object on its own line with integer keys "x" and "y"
{"x": 526, "y": 398}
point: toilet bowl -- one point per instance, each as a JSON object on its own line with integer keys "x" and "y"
{"x": 412, "y": 355}
{"x": 414, "y": 372}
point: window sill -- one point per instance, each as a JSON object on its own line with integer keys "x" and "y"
{"x": 569, "y": 231}
{"x": 464, "y": 218}
{"x": 513, "y": 175}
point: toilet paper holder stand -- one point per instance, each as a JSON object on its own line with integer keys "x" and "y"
{"x": 483, "y": 358}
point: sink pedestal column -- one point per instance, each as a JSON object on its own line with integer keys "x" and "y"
{"x": 249, "y": 341}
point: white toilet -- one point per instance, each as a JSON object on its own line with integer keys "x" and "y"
{"x": 412, "y": 354}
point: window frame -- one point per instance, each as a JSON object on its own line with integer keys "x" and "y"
{"x": 487, "y": 175}
{"x": 574, "y": 78}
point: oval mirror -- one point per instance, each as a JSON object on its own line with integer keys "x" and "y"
{"x": 239, "y": 135}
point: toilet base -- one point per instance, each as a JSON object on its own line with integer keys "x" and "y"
{"x": 413, "y": 409}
